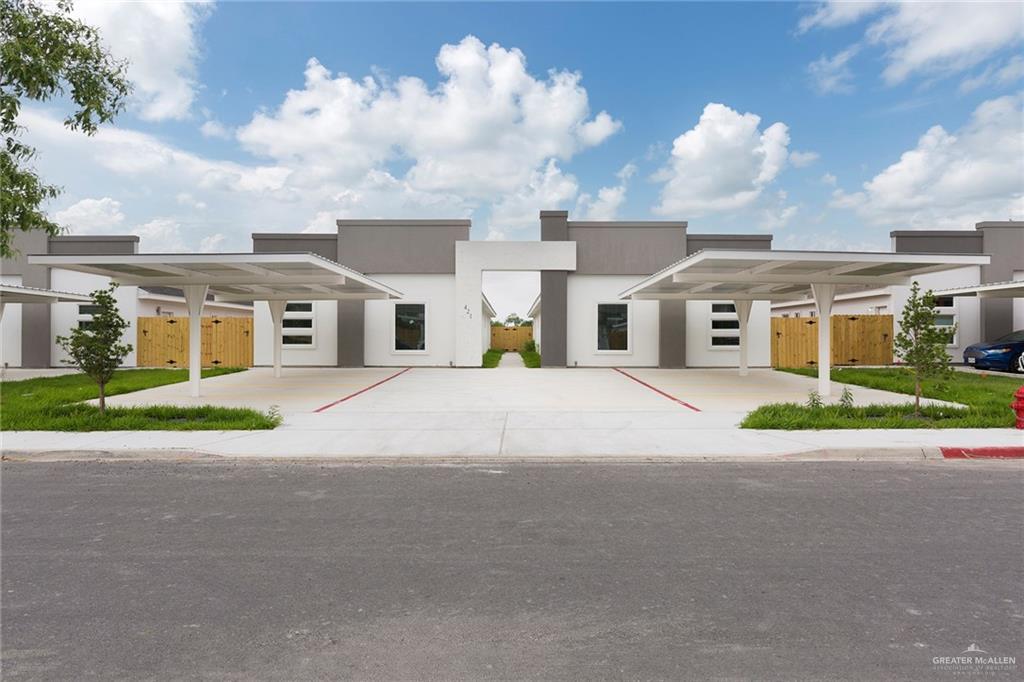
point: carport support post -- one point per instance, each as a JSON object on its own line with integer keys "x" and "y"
{"x": 824, "y": 294}
{"x": 743, "y": 314}
{"x": 195, "y": 297}
{"x": 277, "y": 317}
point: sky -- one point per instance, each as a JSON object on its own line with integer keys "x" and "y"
{"x": 824, "y": 124}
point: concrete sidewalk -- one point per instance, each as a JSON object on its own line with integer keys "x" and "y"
{"x": 522, "y": 436}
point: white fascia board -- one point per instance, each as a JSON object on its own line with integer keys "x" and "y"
{"x": 13, "y": 293}
{"x": 993, "y": 290}
{"x": 535, "y": 308}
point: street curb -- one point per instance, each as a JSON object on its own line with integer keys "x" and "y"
{"x": 901, "y": 454}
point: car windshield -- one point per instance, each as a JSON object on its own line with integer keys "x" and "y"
{"x": 1011, "y": 337}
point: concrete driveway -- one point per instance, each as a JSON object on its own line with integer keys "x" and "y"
{"x": 493, "y": 412}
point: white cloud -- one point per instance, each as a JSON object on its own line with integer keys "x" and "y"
{"x": 1007, "y": 74}
{"x": 721, "y": 164}
{"x": 160, "y": 235}
{"x": 213, "y": 128}
{"x": 91, "y": 216}
{"x": 482, "y": 132}
{"x": 212, "y": 243}
{"x": 549, "y": 188}
{"x": 924, "y": 38}
{"x": 161, "y": 42}
{"x": 952, "y": 180}
{"x": 832, "y": 75}
{"x": 777, "y": 216}
{"x": 829, "y": 179}
{"x": 609, "y": 199}
{"x": 835, "y": 14}
{"x": 186, "y": 199}
{"x": 803, "y": 159}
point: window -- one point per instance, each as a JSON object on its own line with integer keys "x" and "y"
{"x": 410, "y": 327}
{"x": 85, "y": 313}
{"x": 723, "y": 327}
{"x": 298, "y": 326}
{"x": 613, "y": 326}
{"x": 945, "y": 317}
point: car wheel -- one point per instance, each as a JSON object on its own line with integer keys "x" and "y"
{"x": 1017, "y": 365}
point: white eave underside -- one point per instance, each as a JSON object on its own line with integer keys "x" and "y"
{"x": 732, "y": 274}
{"x": 993, "y": 290}
{"x": 232, "y": 276}
{"x": 13, "y": 293}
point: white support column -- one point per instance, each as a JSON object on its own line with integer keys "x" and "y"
{"x": 277, "y": 317}
{"x": 743, "y": 313}
{"x": 824, "y": 294}
{"x": 195, "y": 297}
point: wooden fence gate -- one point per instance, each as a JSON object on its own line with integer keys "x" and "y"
{"x": 510, "y": 338}
{"x": 163, "y": 342}
{"x": 856, "y": 340}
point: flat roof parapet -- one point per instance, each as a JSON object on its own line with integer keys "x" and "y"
{"x": 391, "y": 222}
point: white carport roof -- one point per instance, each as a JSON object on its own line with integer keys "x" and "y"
{"x": 231, "y": 276}
{"x": 273, "y": 277}
{"x": 13, "y": 293}
{"x": 745, "y": 276}
{"x": 718, "y": 274}
{"x": 993, "y": 290}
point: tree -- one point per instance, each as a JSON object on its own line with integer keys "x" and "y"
{"x": 46, "y": 53}
{"x": 920, "y": 344}
{"x": 513, "y": 320}
{"x": 96, "y": 348}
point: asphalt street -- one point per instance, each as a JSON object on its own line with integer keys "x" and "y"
{"x": 183, "y": 570}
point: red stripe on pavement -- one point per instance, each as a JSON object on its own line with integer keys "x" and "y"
{"x": 983, "y": 453}
{"x": 657, "y": 390}
{"x": 361, "y": 391}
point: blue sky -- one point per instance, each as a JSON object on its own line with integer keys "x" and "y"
{"x": 825, "y": 124}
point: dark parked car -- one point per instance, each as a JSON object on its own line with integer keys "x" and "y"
{"x": 1005, "y": 353}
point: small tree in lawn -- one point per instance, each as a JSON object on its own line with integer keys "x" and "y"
{"x": 920, "y": 344}
{"x": 96, "y": 348}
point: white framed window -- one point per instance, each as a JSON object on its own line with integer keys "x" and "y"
{"x": 613, "y": 329}
{"x": 723, "y": 327}
{"x": 409, "y": 327}
{"x": 946, "y": 318}
{"x": 298, "y": 326}
{"x": 85, "y": 313}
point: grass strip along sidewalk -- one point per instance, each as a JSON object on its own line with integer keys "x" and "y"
{"x": 57, "y": 404}
{"x": 492, "y": 357}
{"x": 986, "y": 399}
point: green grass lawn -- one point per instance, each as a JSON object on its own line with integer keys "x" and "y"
{"x": 986, "y": 398}
{"x": 492, "y": 357}
{"x": 55, "y": 404}
{"x": 531, "y": 358}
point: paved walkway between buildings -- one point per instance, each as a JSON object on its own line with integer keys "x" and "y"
{"x": 511, "y": 360}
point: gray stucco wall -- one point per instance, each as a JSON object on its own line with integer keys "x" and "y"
{"x": 623, "y": 248}
{"x": 1002, "y": 240}
{"x": 699, "y": 242}
{"x": 400, "y": 247}
{"x": 36, "y": 332}
{"x": 325, "y": 245}
{"x": 671, "y": 334}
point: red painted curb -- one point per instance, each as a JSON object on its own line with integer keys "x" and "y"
{"x": 983, "y": 453}
{"x": 657, "y": 390}
{"x": 361, "y": 391}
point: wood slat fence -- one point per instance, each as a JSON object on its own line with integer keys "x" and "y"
{"x": 510, "y": 338}
{"x": 163, "y": 342}
{"x": 856, "y": 340}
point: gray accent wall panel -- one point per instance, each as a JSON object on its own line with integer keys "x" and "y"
{"x": 553, "y": 311}
{"x": 626, "y": 248}
{"x": 671, "y": 334}
{"x": 89, "y": 245}
{"x": 351, "y": 323}
{"x": 400, "y": 247}
{"x": 325, "y": 245}
{"x": 1004, "y": 242}
{"x": 699, "y": 242}
{"x": 937, "y": 241}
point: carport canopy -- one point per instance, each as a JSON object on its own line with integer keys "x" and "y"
{"x": 15, "y": 293}
{"x": 993, "y": 290}
{"x": 273, "y": 277}
{"x": 745, "y": 276}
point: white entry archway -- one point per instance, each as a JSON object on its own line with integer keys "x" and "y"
{"x": 472, "y": 259}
